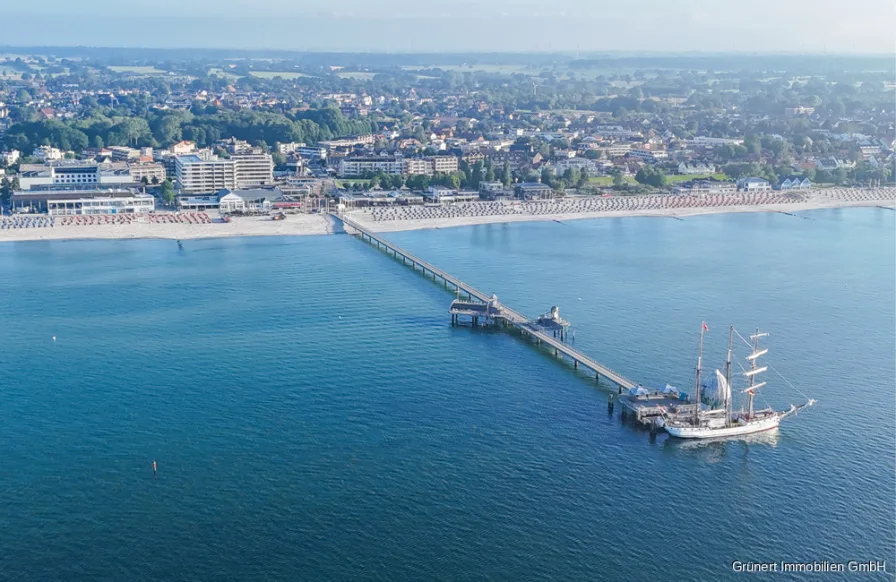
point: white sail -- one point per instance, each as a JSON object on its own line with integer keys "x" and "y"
{"x": 755, "y": 387}
{"x": 749, "y": 373}
{"x": 755, "y": 355}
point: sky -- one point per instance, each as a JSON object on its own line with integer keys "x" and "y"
{"x": 755, "y": 26}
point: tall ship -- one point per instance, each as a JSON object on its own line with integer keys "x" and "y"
{"x": 718, "y": 419}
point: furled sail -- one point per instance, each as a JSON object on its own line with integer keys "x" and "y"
{"x": 724, "y": 389}
{"x": 714, "y": 391}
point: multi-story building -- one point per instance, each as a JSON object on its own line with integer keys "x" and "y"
{"x": 431, "y": 165}
{"x": 646, "y": 155}
{"x": 532, "y": 191}
{"x": 73, "y": 175}
{"x": 493, "y": 191}
{"x": 68, "y": 202}
{"x": 332, "y": 144}
{"x": 288, "y": 148}
{"x": 48, "y": 154}
{"x": 198, "y": 176}
{"x": 703, "y": 141}
{"x": 753, "y": 185}
{"x": 237, "y": 146}
{"x": 581, "y": 164}
{"x": 10, "y": 157}
{"x": 149, "y": 170}
{"x": 253, "y": 169}
{"x": 444, "y": 164}
{"x": 312, "y": 152}
{"x": 417, "y": 166}
{"x": 359, "y": 166}
{"x": 707, "y": 187}
{"x": 183, "y": 148}
{"x": 616, "y": 150}
{"x": 126, "y": 154}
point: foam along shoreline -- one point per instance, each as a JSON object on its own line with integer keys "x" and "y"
{"x": 367, "y": 218}
{"x": 294, "y": 225}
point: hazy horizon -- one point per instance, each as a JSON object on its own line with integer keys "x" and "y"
{"x": 649, "y": 26}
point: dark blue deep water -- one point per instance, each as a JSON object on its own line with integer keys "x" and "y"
{"x": 315, "y": 417}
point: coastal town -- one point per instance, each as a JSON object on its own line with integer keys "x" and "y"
{"x": 250, "y": 146}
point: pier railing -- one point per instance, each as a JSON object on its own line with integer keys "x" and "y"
{"x": 511, "y": 316}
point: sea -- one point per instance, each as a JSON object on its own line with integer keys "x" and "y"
{"x": 313, "y": 415}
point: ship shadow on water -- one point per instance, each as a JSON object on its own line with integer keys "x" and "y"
{"x": 712, "y": 450}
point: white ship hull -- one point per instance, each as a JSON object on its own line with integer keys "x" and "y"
{"x": 743, "y": 428}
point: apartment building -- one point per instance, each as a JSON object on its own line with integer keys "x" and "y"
{"x": 359, "y": 166}
{"x": 431, "y": 165}
{"x": 198, "y": 176}
{"x": 312, "y": 152}
{"x": 444, "y": 164}
{"x": 253, "y": 169}
{"x": 616, "y": 150}
{"x": 646, "y": 155}
{"x": 149, "y": 170}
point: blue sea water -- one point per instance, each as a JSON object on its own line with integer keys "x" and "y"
{"x": 315, "y": 417}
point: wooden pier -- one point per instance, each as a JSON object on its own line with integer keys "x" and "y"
{"x": 491, "y": 308}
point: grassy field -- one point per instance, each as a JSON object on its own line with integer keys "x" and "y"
{"x": 224, "y": 74}
{"x": 608, "y": 180}
{"x": 674, "y": 179}
{"x": 139, "y": 70}
{"x": 10, "y": 74}
{"x": 363, "y": 76}
{"x": 282, "y": 74}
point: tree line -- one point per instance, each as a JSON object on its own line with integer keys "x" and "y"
{"x": 203, "y": 125}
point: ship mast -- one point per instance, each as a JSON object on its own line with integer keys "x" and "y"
{"x": 728, "y": 378}
{"x": 751, "y": 389}
{"x": 699, "y": 367}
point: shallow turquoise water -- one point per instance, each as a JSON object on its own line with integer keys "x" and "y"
{"x": 314, "y": 416}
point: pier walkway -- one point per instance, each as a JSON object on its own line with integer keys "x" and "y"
{"x": 509, "y": 315}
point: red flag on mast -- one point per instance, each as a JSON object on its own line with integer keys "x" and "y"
{"x": 705, "y": 327}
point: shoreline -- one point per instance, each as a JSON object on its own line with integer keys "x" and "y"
{"x": 294, "y": 225}
{"x": 677, "y": 213}
{"x": 318, "y": 224}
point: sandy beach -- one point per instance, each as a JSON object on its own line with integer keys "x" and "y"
{"x": 294, "y": 225}
{"x": 416, "y": 218}
{"x": 557, "y": 211}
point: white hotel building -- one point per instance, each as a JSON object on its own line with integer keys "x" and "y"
{"x": 83, "y": 202}
{"x": 200, "y": 176}
{"x": 74, "y": 174}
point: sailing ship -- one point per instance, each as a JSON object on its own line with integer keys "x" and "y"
{"x": 719, "y": 420}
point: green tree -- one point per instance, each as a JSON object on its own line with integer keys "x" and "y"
{"x": 506, "y": 177}
{"x": 166, "y": 192}
{"x": 8, "y": 187}
{"x": 651, "y": 176}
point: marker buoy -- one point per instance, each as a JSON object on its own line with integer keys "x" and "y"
{"x": 54, "y": 338}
